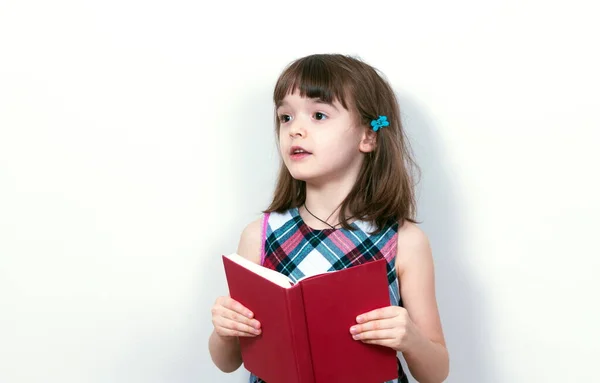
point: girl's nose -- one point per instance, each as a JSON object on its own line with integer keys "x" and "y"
{"x": 297, "y": 128}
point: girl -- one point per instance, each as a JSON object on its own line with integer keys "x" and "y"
{"x": 344, "y": 196}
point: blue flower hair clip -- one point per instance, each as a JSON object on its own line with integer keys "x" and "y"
{"x": 380, "y": 123}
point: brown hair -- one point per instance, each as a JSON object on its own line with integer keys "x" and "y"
{"x": 384, "y": 190}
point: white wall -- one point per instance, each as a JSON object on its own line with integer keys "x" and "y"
{"x": 136, "y": 142}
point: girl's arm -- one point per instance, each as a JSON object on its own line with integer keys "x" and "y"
{"x": 414, "y": 329}
{"x": 225, "y": 350}
{"x": 426, "y": 354}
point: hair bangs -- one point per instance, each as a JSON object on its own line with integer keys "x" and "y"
{"x": 313, "y": 77}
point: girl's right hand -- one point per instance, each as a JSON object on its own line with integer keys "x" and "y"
{"x": 230, "y": 318}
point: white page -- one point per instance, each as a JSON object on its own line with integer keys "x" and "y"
{"x": 271, "y": 275}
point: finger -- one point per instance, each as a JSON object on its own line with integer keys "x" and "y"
{"x": 229, "y": 324}
{"x": 374, "y": 335}
{"x": 380, "y": 324}
{"x": 236, "y": 317}
{"x": 231, "y": 333}
{"x": 381, "y": 313}
{"x": 380, "y": 342}
{"x": 236, "y": 306}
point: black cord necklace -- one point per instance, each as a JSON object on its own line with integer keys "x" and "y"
{"x": 325, "y": 222}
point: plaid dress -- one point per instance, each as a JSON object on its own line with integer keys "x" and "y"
{"x": 294, "y": 249}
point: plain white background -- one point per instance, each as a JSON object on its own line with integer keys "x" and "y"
{"x": 136, "y": 142}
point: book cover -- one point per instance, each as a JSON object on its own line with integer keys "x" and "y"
{"x": 306, "y": 326}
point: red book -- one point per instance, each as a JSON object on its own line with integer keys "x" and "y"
{"x": 306, "y": 326}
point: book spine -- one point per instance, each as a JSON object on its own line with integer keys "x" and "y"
{"x": 299, "y": 333}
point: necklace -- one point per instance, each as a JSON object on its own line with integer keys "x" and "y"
{"x": 325, "y": 222}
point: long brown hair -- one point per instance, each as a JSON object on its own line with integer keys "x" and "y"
{"x": 384, "y": 190}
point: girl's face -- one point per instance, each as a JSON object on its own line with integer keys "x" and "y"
{"x": 320, "y": 141}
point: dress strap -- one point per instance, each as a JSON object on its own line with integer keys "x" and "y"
{"x": 263, "y": 237}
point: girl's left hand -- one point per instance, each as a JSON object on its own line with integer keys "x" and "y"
{"x": 388, "y": 326}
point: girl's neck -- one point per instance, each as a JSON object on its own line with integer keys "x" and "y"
{"x": 324, "y": 201}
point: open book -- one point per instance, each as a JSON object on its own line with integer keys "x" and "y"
{"x": 269, "y": 274}
{"x": 306, "y": 326}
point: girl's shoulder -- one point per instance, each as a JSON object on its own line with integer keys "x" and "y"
{"x": 413, "y": 247}
{"x": 250, "y": 245}
{"x": 410, "y": 234}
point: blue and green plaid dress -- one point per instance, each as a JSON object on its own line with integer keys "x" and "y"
{"x": 294, "y": 249}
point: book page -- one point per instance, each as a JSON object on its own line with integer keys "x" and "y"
{"x": 271, "y": 275}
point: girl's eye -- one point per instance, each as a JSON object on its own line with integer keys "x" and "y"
{"x": 320, "y": 116}
{"x": 284, "y": 118}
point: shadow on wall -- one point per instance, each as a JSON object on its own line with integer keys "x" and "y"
{"x": 462, "y": 308}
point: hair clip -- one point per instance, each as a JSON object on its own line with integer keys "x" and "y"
{"x": 380, "y": 123}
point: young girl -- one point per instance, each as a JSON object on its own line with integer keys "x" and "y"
{"x": 344, "y": 196}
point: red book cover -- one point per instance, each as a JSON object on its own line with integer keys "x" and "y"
{"x": 272, "y": 354}
{"x": 306, "y": 327}
{"x": 332, "y": 301}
